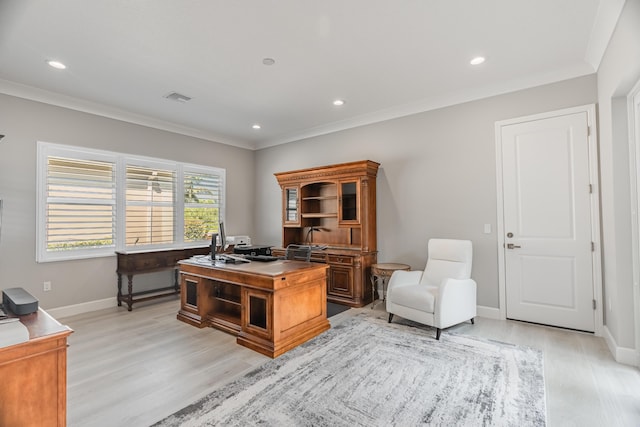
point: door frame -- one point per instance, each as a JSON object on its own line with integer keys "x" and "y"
{"x": 633, "y": 112}
{"x": 596, "y": 270}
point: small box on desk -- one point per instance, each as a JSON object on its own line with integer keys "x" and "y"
{"x": 252, "y": 250}
{"x": 19, "y": 301}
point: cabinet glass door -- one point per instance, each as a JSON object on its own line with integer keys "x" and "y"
{"x": 257, "y": 315}
{"x": 349, "y": 202}
{"x": 258, "y": 312}
{"x": 291, "y": 205}
{"x": 192, "y": 293}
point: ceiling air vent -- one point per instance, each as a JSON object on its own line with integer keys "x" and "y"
{"x": 175, "y": 96}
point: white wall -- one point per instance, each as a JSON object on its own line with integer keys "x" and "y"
{"x": 618, "y": 72}
{"x": 437, "y": 176}
{"x": 25, "y": 122}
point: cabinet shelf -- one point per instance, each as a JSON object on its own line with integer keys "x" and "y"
{"x": 231, "y": 299}
{"x": 228, "y": 317}
{"x": 321, "y": 198}
{"x": 320, "y": 215}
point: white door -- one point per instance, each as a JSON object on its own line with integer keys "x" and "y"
{"x": 547, "y": 221}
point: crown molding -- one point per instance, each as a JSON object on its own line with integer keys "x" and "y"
{"x": 434, "y": 103}
{"x": 604, "y": 25}
{"x": 52, "y": 98}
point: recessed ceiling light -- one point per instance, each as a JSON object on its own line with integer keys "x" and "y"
{"x": 256, "y": 126}
{"x": 338, "y": 102}
{"x": 268, "y": 61}
{"x": 477, "y": 60}
{"x": 56, "y": 64}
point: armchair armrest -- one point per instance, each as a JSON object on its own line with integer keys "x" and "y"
{"x": 403, "y": 278}
{"x": 455, "y": 302}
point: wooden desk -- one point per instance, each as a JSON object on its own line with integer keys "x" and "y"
{"x": 271, "y": 307}
{"x": 33, "y": 375}
{"x": 141, "y": 262}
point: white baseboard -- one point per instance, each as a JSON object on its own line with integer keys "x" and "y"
{"x": 85, "y": 307}
{"x": 627, "y": 356}
{"x": 488, "y": 312}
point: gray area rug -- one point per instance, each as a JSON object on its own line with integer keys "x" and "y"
{"x": 367, "y": 372}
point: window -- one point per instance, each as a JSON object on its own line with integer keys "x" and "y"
{"x": 77, "y": 201}
{"x": 92, "y": 203}
{"x": 150, "y": 199}
{"x": 202, "y": 203}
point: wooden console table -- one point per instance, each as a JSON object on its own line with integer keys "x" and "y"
{"x": 380, "y": 274}
{"x": 140, "y": 262}
{"x": 271, "y": 307}
{"x": 34, "y": 375}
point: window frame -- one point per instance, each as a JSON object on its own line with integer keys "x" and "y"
{"x": 120, "y": 162}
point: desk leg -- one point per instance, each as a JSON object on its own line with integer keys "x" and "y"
{"x": 176, "y": 284}
{"x": 119, "y": 290}
{"x": 130, "y": 296}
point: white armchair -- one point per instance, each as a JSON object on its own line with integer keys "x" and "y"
{"x": 443, "y": 294}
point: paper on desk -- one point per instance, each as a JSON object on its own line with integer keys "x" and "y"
{"x": 13, "y": 333}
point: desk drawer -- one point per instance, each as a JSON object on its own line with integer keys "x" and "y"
{"x": 340, "y": 259}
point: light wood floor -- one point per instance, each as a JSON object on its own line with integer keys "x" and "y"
{"x": 134, "y": 368}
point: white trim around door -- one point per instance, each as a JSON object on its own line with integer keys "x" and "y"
{"x": 633, "y": 110}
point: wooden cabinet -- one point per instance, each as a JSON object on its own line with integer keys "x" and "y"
{"x": 34, "y": 375}
{"x": 335, "y": 213}
{"x": 340, "y": 283}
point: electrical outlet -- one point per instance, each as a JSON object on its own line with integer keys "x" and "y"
{"x": 47, "y": 286}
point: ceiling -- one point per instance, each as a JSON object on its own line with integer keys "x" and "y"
{"x": 385, "y": 58}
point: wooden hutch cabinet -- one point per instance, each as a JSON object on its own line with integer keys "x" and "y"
{"x": 333, "y": 209}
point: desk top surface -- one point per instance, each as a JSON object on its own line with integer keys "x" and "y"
{"x": 41, "y": 324}
{"x": 271, "y": 269}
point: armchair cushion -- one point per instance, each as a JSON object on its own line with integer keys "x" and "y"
{"x": 417, "y": 296}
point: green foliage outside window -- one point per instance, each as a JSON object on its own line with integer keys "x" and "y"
{"x": 76, "y": 245}
{"x": 200, "y": 222}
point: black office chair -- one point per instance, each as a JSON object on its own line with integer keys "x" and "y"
{"x": 298, "y": 253}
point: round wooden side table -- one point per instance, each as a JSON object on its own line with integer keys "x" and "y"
{"x": 380, "y": 273}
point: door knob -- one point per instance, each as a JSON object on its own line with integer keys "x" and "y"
{"x": 512, "y": 246}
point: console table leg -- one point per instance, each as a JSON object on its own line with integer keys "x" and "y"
{"x": 374, "y": 282}
{"x": 176, "y": 284}
{"x": 119, "y": 290}
{"x": 130, "y": 296}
